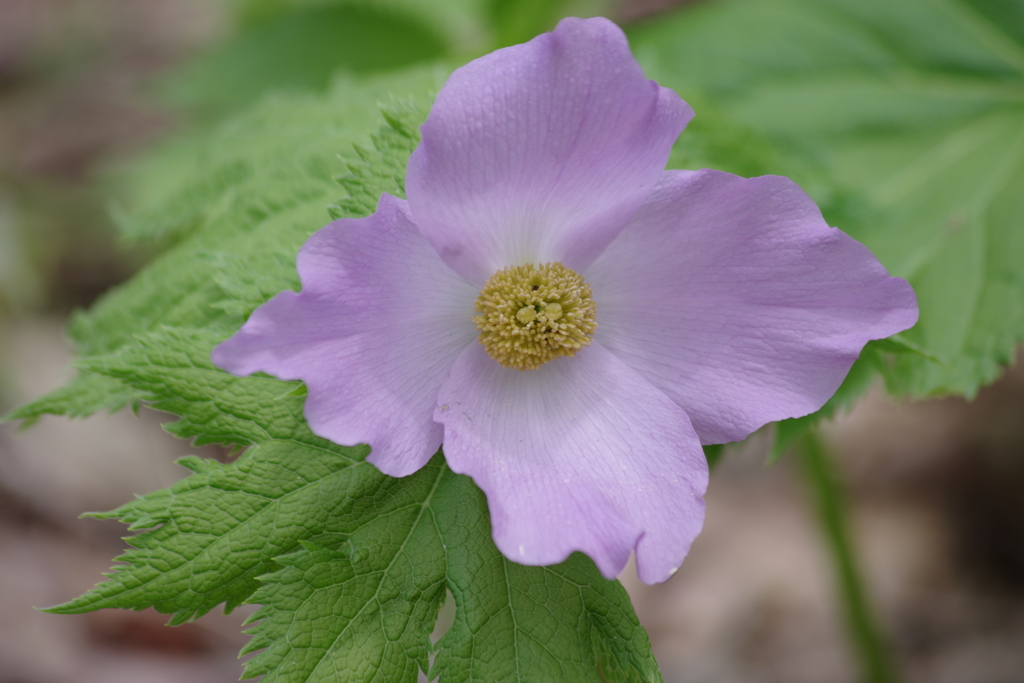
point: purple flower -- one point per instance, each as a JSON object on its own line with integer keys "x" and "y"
{"x": 570, "y": 319}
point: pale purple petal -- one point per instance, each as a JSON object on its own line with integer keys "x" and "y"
{"x": 581, "y": 454}
{"x": 735, "y": 298}
{"x": 541, "y": 152}
{"x": 378, "y": 323}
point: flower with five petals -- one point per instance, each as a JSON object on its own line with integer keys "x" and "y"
{"x": 568, "y": 318}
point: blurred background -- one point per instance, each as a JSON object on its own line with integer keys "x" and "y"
{"x": 936, "y": 488}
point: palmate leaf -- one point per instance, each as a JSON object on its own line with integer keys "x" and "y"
{"x": 212, "y": 534}
{"x": 350, "y": 566}
{"x": 324, "y": 612}
{"x": 516, "y": 623}
{"x": 238, "y": 201}
{"x": 918, "y": 106}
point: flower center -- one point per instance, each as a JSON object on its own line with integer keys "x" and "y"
{"x": 528, "y": 315}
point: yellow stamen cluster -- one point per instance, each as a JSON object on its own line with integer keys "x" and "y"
{"x": 528, "y": 315}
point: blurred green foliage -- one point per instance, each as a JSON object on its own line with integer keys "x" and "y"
{"x": 516, "y": 21}
{"x": 298, "y": 48}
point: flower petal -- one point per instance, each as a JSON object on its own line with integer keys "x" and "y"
{"x": 581, "y": 454}
{"x": 735, "y": 298}
{"x": 541, "y": 152}
{"x": 378, "y": 323}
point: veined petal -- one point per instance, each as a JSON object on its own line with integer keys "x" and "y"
{"x": 378, "y": 323}
{"x": 736, "y": 299}
{"x": 541, "y": 152}
{"x": 581, "y": 454}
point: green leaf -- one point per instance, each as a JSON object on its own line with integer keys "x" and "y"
{"x": 918, "y": 107}
{"x": 358, "y": 608}
{"x": 288, "y": 487}
{"x": 86, "y": 394}
{"x": 559, "y": 623}
{"x": 282, "y": 152}
{"x": 234, "y": 242}
{"x": 350, "y": 566}
{"x": 900, "y": 344}
{"x": 353, "y": 564}
{"x": 323, "y": 613}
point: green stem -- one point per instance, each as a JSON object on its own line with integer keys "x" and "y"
{"x": 876, "y": 662}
